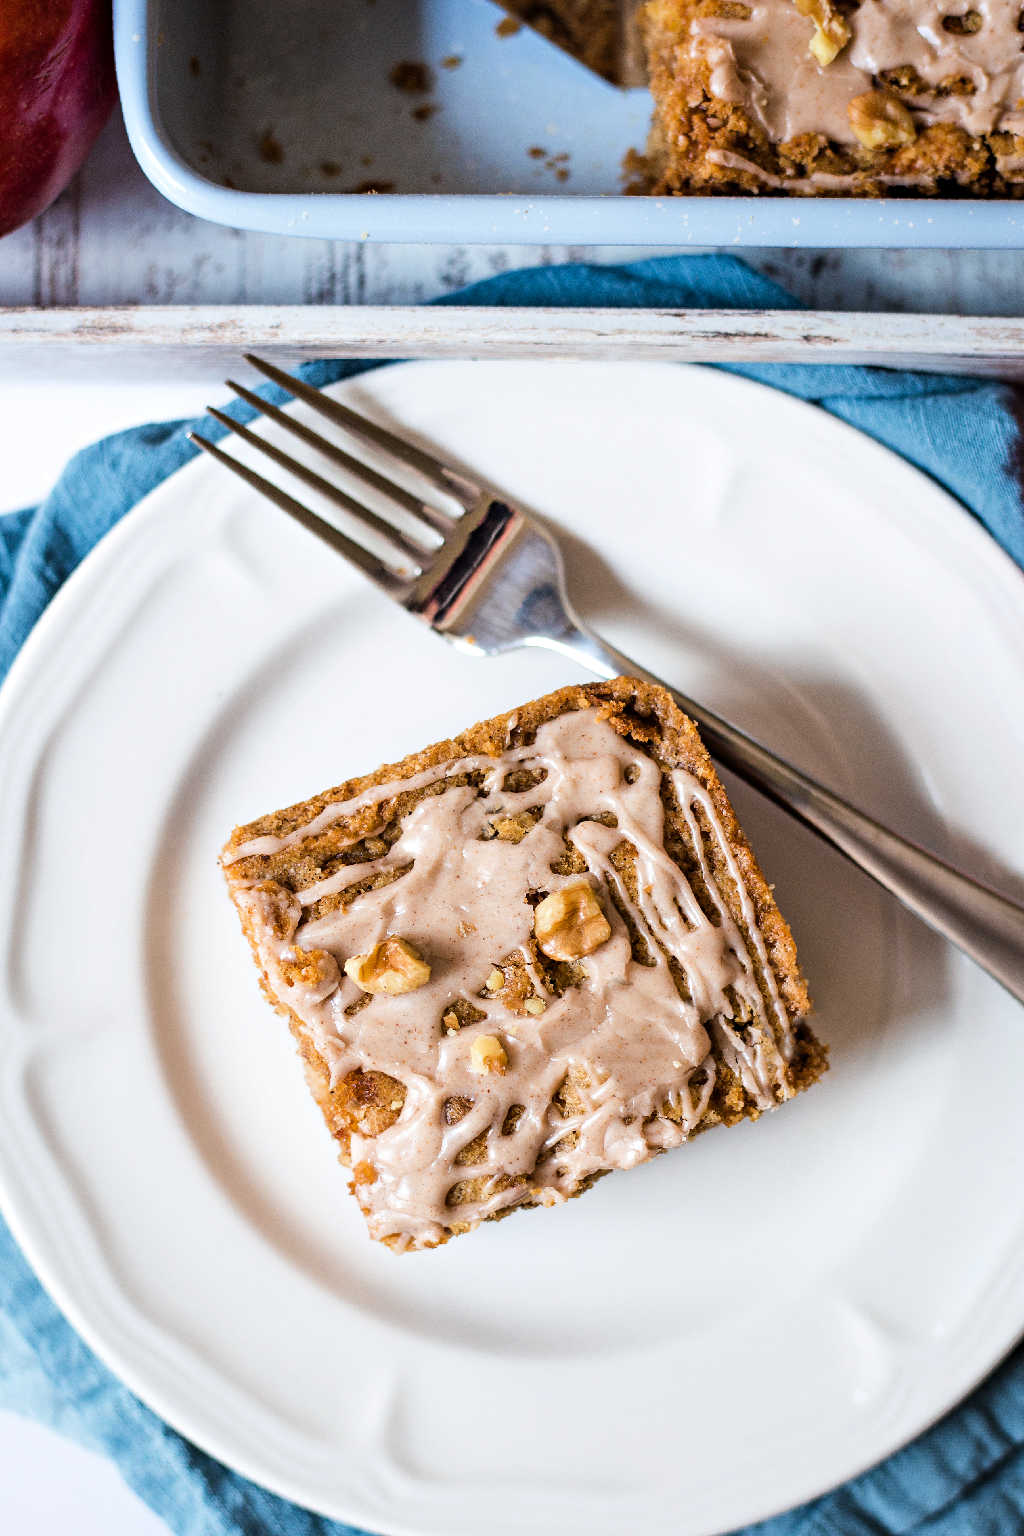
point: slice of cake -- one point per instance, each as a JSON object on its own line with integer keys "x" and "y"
{"x": 819, "y": 97}
{"x": 588, "y": 29}
{"x": 602, "y": 34}
{"x": 520, "y": 959}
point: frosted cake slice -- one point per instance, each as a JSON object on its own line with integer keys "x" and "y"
{"x": 523, "y": 958}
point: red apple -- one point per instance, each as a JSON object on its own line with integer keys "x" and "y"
{"x": 56, "y": 92}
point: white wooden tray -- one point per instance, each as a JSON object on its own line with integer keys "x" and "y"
{"x": 34, "y": 342}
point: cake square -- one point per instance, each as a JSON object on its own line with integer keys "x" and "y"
{"x": 824, "y": 97}
{"x": 523, "y": 958}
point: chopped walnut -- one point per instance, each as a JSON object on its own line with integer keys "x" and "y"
{"x": 487, "y": 1054}
{"x": 880, "y": 120}
{"x": 535, "y": 1006}
{"x": 828, "y": 42}
{"x": 451, "y": 1023}
{"x": 391, "y": 967}
{"x": 831, "y": 32}
{"x": 569, "y": 923}
{"x": 495, "y": 981}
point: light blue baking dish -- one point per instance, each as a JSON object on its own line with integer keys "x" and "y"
{"x": 270, "y": 116}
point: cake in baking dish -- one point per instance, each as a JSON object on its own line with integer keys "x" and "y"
{"x": 864, "y": 98}
{"x": 523, "y": 958}
{"x": 824, "y": 97}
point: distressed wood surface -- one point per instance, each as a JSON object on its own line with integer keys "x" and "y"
{"x": 217, "y": 334}
{"x": 112, "y": 239}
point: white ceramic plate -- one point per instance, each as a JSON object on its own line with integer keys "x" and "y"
{"x": 707, "y": 1340}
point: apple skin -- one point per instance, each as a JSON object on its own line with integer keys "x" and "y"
{"x": 57, "y": 90}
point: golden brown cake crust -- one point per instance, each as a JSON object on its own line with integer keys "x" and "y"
{"x": 645, "y": 715}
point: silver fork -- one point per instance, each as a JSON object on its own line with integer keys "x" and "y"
{"x": 496, "y": 581}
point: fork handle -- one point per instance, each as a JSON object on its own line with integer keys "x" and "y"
{"x": 985, "y": 925}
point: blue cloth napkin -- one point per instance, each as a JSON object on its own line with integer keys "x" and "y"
{"x": 966, "y": 1475}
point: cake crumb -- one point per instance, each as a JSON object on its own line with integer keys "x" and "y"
{"x": 270, "y": 148}
{"x": 412, "y": 76}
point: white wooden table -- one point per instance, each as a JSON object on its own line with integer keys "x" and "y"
{"x": 112, "y": 240}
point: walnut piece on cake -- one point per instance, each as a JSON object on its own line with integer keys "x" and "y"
{"x": 490, "y": 1022}
{"x": 835, "y": 97}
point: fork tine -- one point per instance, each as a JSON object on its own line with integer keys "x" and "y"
{"x": 375, "y": 569}
{"x": 456, "y": 484}
{"x": 381, "y": 483}
{"x": 332, "y": 492}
